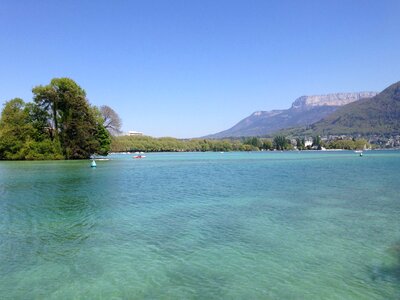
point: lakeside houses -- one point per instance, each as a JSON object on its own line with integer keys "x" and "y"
{"x": 308, "y": 142}
{"x": 392, "y": 141}
{"x": 380, "y": 141}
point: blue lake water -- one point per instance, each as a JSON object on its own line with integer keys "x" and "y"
{"x": 295, "y": 225}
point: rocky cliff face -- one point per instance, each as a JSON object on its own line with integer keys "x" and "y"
{"x": 304, "y": 111}
{"x": 337, "y": 99}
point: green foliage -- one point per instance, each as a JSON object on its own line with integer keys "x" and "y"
{"x": 254, "y": 141}
{"x": 351, "y": 144}
{"x": 41, "y": 150}
{"x": 96, "y": 113}
{"x": 74, "y": 122}
{"x": 317, "y": 142}
{"x": 77, "y": 126}
{"x": 168, "y": 144}
{"x": 300, "y": 143}
{"x": 60, "y": 124}
{"x": 104, "y": 139}
{"x": 22, "y": 135}
{"x": 280, "y": 142}
{"x": 267, "y": 144}
{"x": 379, "y": 115}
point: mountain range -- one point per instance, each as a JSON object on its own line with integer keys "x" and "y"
{"x": 305, "y": 110}
{"x": 379, "y": 115}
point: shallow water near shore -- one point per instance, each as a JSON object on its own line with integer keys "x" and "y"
{"x": 292, "y": 225}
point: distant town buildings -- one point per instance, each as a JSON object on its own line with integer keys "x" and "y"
{"x": 134, "y": 133}
{"x": 308, "y": 143}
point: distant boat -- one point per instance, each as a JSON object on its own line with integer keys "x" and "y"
{"x": 139, "y": 156}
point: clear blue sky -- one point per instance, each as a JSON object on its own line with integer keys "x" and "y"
{"x": 191, "y": 68}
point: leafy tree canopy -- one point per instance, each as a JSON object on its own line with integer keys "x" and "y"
{"x": 59, "y": 124}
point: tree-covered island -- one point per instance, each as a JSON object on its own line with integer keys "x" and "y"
{"x": 58, "y": 124}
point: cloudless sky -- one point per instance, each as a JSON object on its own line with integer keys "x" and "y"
{"x": 191, "y": 68}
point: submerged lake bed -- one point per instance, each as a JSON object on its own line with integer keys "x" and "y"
{"x": 265, "y": 225}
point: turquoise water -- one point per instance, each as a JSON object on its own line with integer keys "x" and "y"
{"x": 309, "y": 225}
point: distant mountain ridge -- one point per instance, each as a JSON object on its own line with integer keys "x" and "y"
{"x": 337, "y": 99}
{"x": 305, "y": 110}
{"x": 379, "y": 115}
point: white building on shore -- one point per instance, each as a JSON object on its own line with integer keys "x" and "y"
{"x": 308, "y": 143}
{"x": 134, "y": 133}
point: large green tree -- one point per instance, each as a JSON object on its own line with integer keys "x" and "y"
{"x": 14, "y": 129}
{"x": 59, "y": 124}
{"x": 23, "y": 134}
{"x": 317, "y": 142}
{"x": 254, "y": 141}
{"x": 280, "y": 142}
{"x": 70, "y": 118}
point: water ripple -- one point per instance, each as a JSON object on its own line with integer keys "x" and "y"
{"x": 258, "y": 226}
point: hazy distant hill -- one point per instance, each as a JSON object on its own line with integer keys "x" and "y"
{"x": 305, "y": 110}
{"x": 378, "y": 115}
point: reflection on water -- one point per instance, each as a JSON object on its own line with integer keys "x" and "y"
{"x": 391, "y": 270}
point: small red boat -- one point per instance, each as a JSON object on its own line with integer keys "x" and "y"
{"x": 139, "y": 156}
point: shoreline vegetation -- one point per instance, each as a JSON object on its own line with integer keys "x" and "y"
{"x": 168, "y": 144}
{"x": 60, "y": 123}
